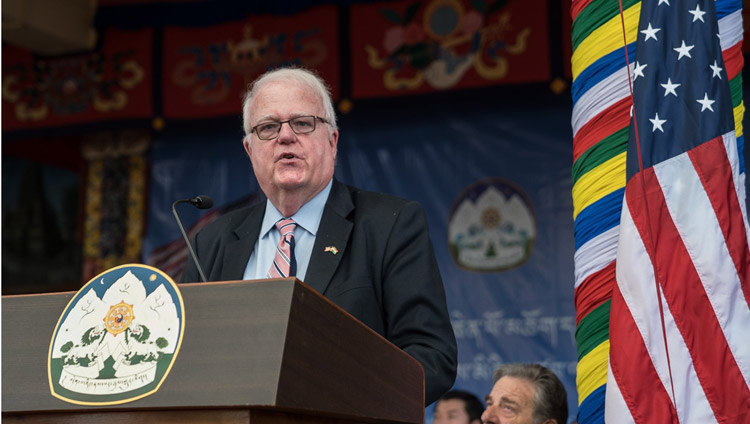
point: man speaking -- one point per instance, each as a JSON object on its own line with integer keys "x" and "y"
{"x": 369, "y": 253}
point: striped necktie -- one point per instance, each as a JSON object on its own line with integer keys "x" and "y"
{"x": 284, "y": 264}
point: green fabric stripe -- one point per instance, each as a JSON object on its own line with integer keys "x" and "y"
{"x": 595, "y": 15}
{"x": 735, "y": 85}
{"x": 611, "y": 146}
{"x": 593, "y": 329}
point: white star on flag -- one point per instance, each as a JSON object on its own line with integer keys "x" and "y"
{"x": 717, "y": 70}
{"x": 706, "y": 103}
{"x": 657, "y": 123}
{"x": 638, "y": 72}
{"x": 697, "y": 13}
{"x": 650, "y": 32}
{"x": 683, "y": 50}
{"x": 669, "y": 87}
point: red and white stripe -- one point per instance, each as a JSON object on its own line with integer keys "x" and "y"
{"x": 693, "y": 206}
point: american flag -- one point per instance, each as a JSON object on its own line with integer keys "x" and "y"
{"x": 680, "y": 314}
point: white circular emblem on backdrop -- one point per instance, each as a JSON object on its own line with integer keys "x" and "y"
{"x": 491, "y": 226}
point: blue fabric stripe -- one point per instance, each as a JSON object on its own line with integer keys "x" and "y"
{"x": 599, "y": 70}
{"x": 727, "y": 7}
{"x": 741, "y": 152}
{"x": 591, "y": 410}
{"x": 598, "y": 217}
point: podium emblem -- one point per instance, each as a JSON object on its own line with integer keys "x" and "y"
{"x": 118, "y": 337}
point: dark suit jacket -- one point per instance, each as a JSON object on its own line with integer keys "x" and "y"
{"x": 385, "y": 273}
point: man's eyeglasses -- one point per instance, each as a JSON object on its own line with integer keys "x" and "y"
{"x": 300, "y": 125}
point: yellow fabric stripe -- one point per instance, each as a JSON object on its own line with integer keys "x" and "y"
{"x": 599, "y": 182}
{"x": 739, "y": 112}
{"x": 605, "y": 39}
{"x": 592, "y": 371}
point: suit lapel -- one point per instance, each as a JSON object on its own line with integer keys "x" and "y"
{"x": 332, "y": 238}
{"x": 238, "y": 251}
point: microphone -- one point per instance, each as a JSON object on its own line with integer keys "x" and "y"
{"x": 200, "y": 202}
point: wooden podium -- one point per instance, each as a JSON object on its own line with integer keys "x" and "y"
{"x": 265, "y": 351}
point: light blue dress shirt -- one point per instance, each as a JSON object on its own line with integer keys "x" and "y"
{"x": 307, "y": 219}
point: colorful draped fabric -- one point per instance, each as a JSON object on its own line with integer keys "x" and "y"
{"x": 601, "y": 125}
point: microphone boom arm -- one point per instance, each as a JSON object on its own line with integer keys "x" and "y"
{"x": 187, "y": 240}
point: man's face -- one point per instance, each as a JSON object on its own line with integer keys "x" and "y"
{"x": 290, "y": 164}
{"x": 451, "y": 411}
{"x": 510, "y": 401}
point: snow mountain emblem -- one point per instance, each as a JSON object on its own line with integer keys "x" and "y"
{"x": 118, "y": 337}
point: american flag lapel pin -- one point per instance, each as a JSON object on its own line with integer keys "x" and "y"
{"x": 332, "y": 249}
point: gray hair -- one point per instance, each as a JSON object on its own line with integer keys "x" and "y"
{"x": 300, "y": 75}
{"x": 550, "y": 398}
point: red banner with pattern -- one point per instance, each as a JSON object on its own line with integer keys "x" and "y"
{"x": 418, "y": 47}
{"x": 111, "y": 83}
{"x": 206, "y": 70}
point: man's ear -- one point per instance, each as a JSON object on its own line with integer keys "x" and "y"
{"x": 246, "y": 144}
{"x": 334, "y": 140}
{"x": 551, "y": 421}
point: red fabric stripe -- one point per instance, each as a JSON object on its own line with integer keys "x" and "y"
{"x": 645, "y": 395}
{"x": 714, "y": 363}
{"x": 713, "y": 167}
{"x": 594, "y": 291}
{"x": 577, "y": 7}
{"x": 733, "y": 60}
{"x": 605, "y": 123}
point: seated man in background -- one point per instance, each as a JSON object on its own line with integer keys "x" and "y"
{"x": 526, "y": 394}
{"x": 458, "y": 407}
{"x": 369, "y": 253}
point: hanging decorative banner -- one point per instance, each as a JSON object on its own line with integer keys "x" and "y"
{"x": 117, "y": 170}
{"x": 206, "y": 70}
{"x": 111, "y": 83}
{"x": 118, "y": 337}
{"x": 417, "y": 47}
